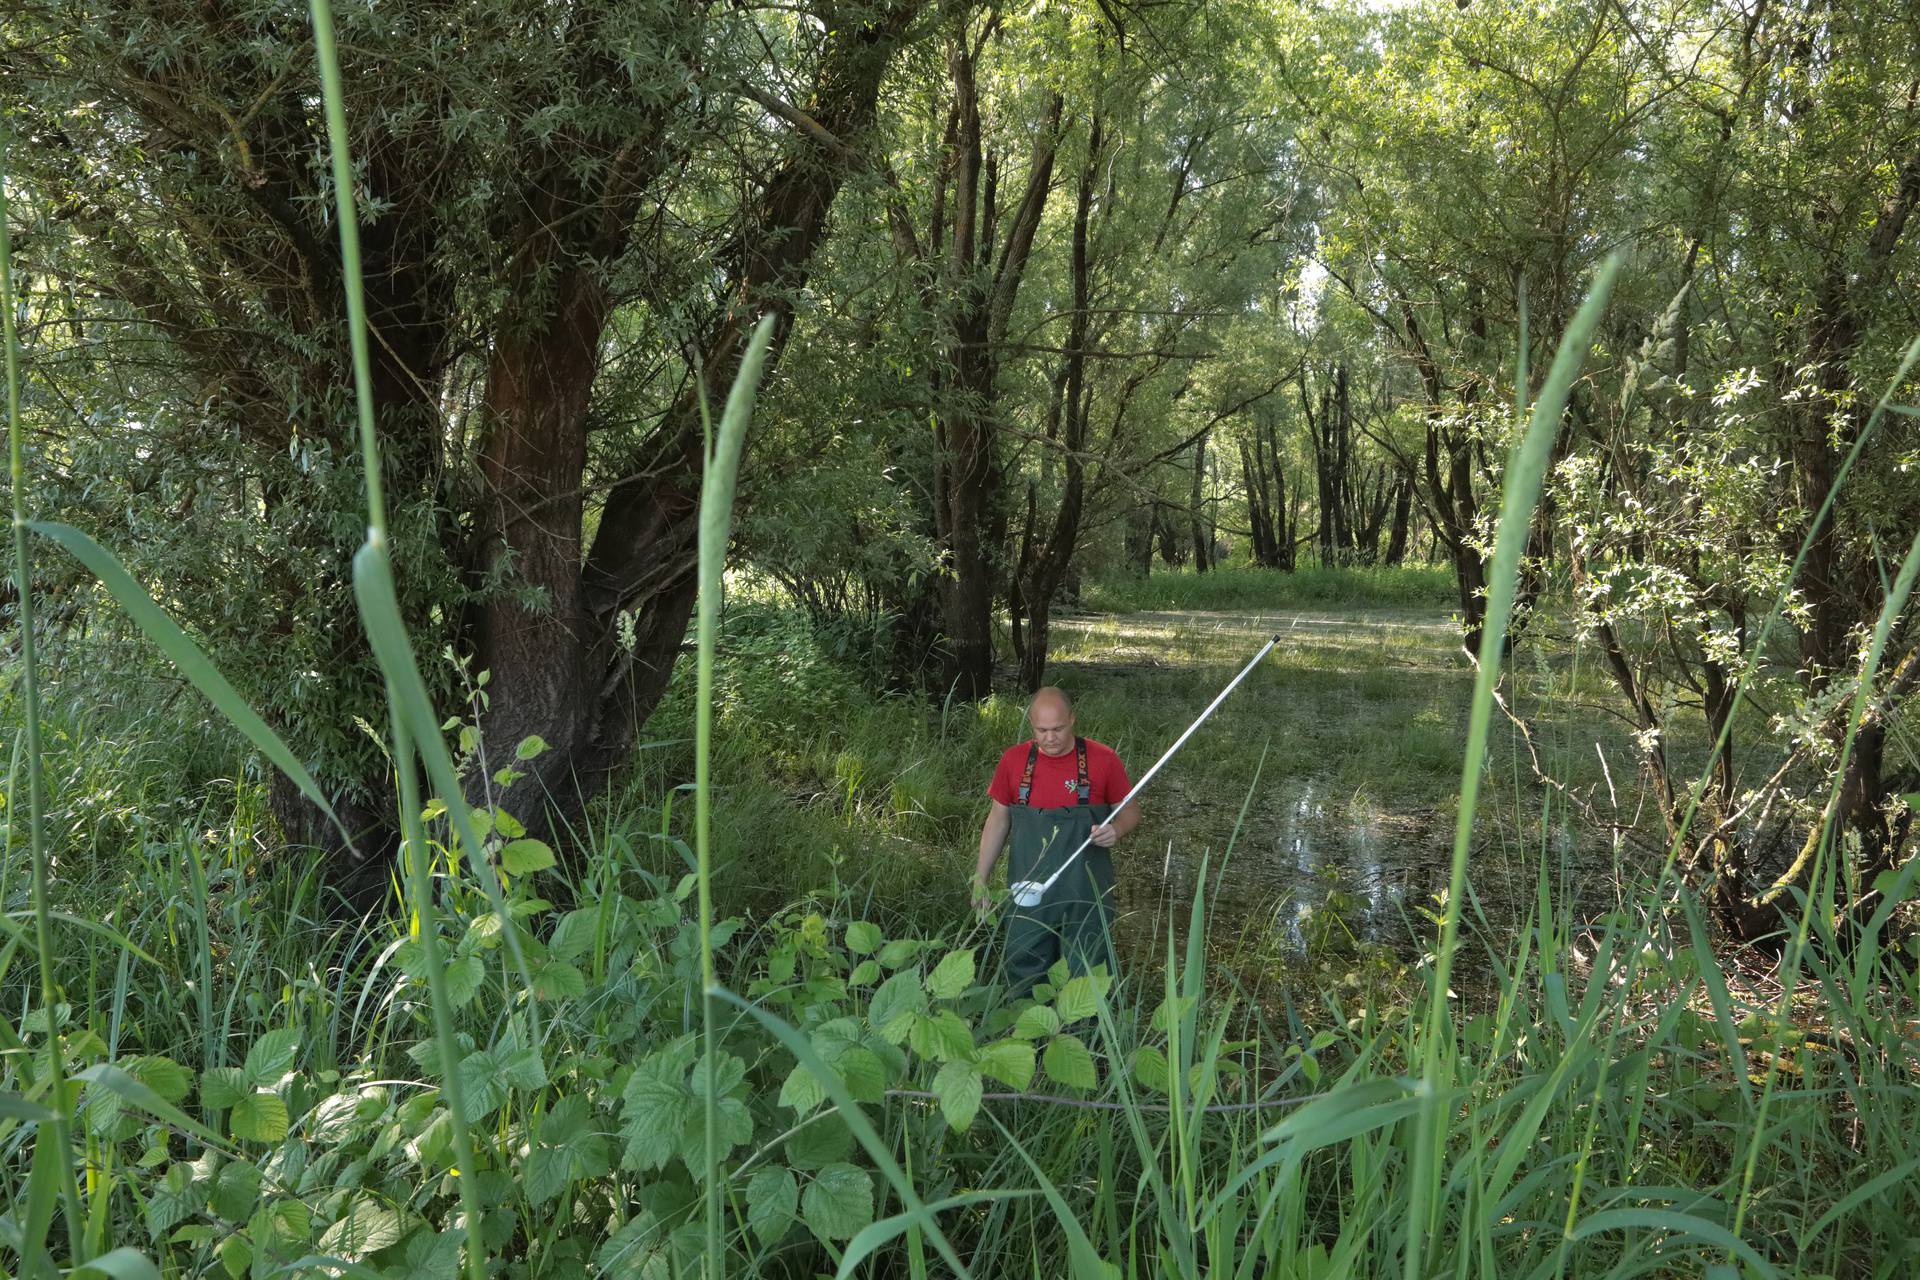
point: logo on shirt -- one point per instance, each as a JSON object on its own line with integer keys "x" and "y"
{"x": 1072, "y": 784}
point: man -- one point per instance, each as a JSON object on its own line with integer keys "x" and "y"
{"x": 1049, "y": 794}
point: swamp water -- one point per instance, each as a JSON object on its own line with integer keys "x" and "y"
{"x": 1343, "y": 750}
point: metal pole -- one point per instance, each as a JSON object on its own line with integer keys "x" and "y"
{"x": 1028, "y": 893}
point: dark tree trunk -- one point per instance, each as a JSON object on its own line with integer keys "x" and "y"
{"x": 1045, "y": 559}
{"x": 1402, "y": 519}
{"x": 981, "y": 288}
{"x": 560, "y": 671}
{"x": 1202, "y": 543}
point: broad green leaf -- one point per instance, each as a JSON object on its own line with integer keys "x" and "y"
{"x": 236, "y": 1188}
{"x": 864, "y": 974}
{"x": 1036, "y": 1022}
{"x": 957, "y": 1086}
{"x": 863, "y": 938}
{"x": 953, "y": 975}
{"x": 433, "y": 1255}
{"x": 530, "y": 746}
{"x": 1079, "y": 998}
{"x": 1068, "y": 1062}
{"x": 222, "y": 1087}
{"x": 481, "y": 1082}
{"x": 365, "y": 1226}
{"x": 900, "y": 951}
{"x": 259, "y": 1117}
{"x": 521, "y": 857}
{"x": 656, "y": 1105}
{"x": 162, "y": 1075}
{"x": 1011, "y": 1062}
{"x": 271, "y": 1055}
{"x": 897, "y": 999}
{"x": 943, "y": 1036}
{"x": 464, "y": 976}
{"x": 522, "y": 1069}
{"x": 801, "y": 1091}
{"x": 728, "y": 1072}
{"x": 841, "y": 1045}
{"x": 1150, "y": 1068}
{"x": 733, "y": 1126}
{"x": 822, "y": 1141}
{"x": 838, "y": 1202}
{"x": 127, "y": 1264}
{"x": 558, "y": 980}
{"x": 772, "y": 1197}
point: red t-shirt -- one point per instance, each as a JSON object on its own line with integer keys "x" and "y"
{"x": 1056, "y": 779}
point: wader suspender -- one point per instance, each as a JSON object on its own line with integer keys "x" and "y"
{"x": 1080, "y": 762}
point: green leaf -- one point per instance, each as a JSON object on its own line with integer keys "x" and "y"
{"x": 1068, "y": 1062}
{"x": 838, "y": 1202}
{"x": 521, "y": 857}
{"x": 822, "y": 1141}
{"x": 656, "y": 1107}
{"x": 187, "y": 658}
{"x": 15, "y": 1107}
{"x": 480, "y": 1083}
{"x": 271, "y": 1055}
{"x": 175, "y": 1197}
{"x": 126, "y": 1264}
{"x": 1036, "y": 1022}
{"x": 162, "y": 1075}
{"x": 530, "y": 746}
{"x": 259, "y": 1117}
{"x": 1080, "y": 997}
{"x": 957, "y": 1086}
{"x": 900, "y": 951}
{"x": 464, "y": 976}
{"x": 801, "y": 1091}
{"x": 842, "y": 1045}
{"x": 558, "y": 980}
{"x": 953, "y": 975}
{"x": 1011, "y": 1062}
{"x": 522, "y": 1069}
{"x": 1150, "y": 1068}
{"x": 236, "y": 1189}
{"x": 863, "y": 939}
{"x": 772, "y": 1197}
{"x": 222, "y": 1087}
{"x": 942, "y": 1037}
{"x": 864, "y": 974}
{"x": 366, "y": 1226}
{"x": 897, "y": 999}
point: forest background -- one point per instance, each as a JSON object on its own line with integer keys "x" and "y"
{"x": 1227, "y": 311}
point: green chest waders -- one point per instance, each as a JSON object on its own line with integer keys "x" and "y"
{"x": 1071, "y": 922}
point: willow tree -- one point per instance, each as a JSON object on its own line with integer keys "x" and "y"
{"x": 545, "y": 189}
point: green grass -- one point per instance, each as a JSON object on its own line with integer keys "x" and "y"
{"x": 1239, "y": 586}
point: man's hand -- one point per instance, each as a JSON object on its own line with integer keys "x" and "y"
{"x": 1105, "y": 836}
{"x": 982, "y": 898}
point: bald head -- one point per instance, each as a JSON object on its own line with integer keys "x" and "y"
{"x": 1051, "y": 715}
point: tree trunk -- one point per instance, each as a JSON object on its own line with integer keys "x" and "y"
{"x": 981, "y": 290}
{"x": 1402, "y": 520}
{"x": 1202, "y": 545}
{"x": 559, "y": 671}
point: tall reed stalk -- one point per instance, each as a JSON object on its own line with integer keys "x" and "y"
{"x": 1526, "y": 472}
{"x": 716, "y": 524}
{"x": 373, "y": 578}
{"x": 54, "y": 1130}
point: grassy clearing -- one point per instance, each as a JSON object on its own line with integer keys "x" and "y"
{"x": 1243, "y": 587}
